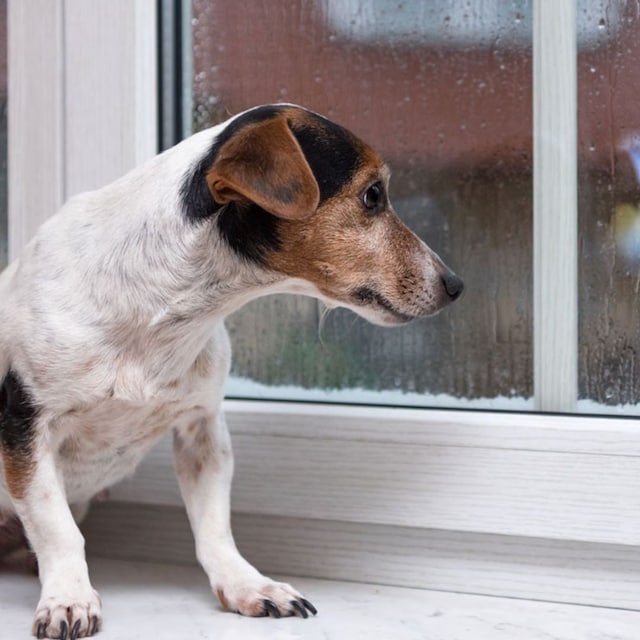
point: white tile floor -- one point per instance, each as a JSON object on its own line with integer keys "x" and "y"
{"x": 158, "y": 602}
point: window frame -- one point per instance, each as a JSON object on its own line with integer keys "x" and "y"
{"x": 470, "y": 482}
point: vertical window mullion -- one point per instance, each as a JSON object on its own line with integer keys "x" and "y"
{"x": 555, "y": 206}
{"x": 170, "y": 68}
{"x": 175, "y": 70}
{"x": 186, "y": 40}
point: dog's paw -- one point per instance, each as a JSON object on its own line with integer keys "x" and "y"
{"x": 264, "y": 598}
{"x": 68, "y": 618}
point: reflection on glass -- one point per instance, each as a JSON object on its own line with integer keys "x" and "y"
{"x": 444, "y": 94}
{"x": 609, "y": 200}
{"x": 3, "y": 133}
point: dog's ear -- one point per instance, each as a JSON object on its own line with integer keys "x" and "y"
{"x": 264, "y": 163}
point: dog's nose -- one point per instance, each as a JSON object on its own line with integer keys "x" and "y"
{"x": 453, "y": 285}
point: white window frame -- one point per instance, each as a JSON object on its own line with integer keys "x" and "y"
{"x": 529, "y": 505}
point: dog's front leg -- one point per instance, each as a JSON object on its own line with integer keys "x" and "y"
{"x": 69, "y": 606}
{"x": 204, "y": 465}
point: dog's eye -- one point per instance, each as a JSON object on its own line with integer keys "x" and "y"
{"x": 372, "y": 198}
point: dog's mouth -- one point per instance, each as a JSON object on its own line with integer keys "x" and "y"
{"x": 366, "y": 296}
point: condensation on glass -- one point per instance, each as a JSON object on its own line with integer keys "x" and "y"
{"x": 443, "y": 91}
{"x": 3, "y": 134}
{"x": 609, "y": 205}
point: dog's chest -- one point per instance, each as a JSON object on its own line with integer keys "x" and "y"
{"x": 103, "y": 444}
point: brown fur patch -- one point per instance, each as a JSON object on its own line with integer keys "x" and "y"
{"x": 194, "y": 449}
{"x": 203, "y": 365}
{"x": 223, "y": 600}
{"x": 342, "y": 247}
{"x": 18, "y": 471}
{"x": 263, "y": 163}
{"x": 18, "y": 415}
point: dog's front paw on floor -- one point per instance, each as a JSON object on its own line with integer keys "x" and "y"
{"x": 66, "y": 620}
{"x": 268, "y": 598}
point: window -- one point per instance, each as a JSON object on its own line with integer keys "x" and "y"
{"x": 444, "y": 94}
{"x": 609, "y": 210}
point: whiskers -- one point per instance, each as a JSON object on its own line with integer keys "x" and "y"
{"x": 324, "y": 312}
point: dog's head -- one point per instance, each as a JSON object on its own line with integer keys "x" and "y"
{"x": 305, "y": 198}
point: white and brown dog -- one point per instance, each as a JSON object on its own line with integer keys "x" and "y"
{"x": 112, "y": 334}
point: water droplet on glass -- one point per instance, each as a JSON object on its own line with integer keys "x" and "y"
{"x": 602, "y": 23}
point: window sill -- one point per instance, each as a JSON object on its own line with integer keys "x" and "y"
{"x": 513, "y": 505}
{"x": 556, "y": 477}
{"x": 152, "y": 600}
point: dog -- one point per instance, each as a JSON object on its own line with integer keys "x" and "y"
{"x": 112, "y": 334}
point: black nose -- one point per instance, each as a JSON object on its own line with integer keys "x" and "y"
{"x": 453, "y": 285}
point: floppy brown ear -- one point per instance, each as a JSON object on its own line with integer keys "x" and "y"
{"x": 264, "y": 163}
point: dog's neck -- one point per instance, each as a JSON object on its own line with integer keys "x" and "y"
{"x": 170, "y": 280}
{"x": 180, "y": 298}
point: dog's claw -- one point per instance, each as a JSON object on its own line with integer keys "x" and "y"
{"x": 42, "y": 628}
{"x": 309, "y": 606}
{"x": 75, "y": 630}
{"x": 64, "y": 630}
{"x": 299, "y": 608}
{"x": 94, "y": 625}
{"x": 271, "y": 608}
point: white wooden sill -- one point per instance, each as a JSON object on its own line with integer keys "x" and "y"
{"x": 566, "y": 478}
{"x": 530, "y": 506}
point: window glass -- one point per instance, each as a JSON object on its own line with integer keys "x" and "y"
{"x": 3, "y": 133}
{"x": 609, "y": 206}
{"x": 443, "y": 91}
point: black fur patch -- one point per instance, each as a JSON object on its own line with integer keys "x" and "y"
{"x": 17, "y": 416}
{"x": 197, "y": 201}
{"x": 333, "y": 153}
{"x": 250, "y": 230}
